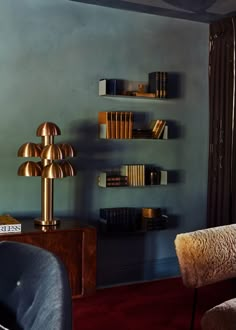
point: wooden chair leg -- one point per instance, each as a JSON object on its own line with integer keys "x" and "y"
{"x": 194, "y": 309}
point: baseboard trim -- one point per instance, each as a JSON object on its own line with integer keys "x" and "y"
{"x": 138, "y": 272}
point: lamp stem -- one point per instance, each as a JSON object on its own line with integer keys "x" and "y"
{"x": 47, "y": 200}
{"x": 46, "y": 191}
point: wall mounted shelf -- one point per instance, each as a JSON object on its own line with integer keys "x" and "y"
{"x": 131, "y": 220}
{"x": 133, "y": 175}
{"x": 155, "y": 88}
{"x": 119, "y": 125}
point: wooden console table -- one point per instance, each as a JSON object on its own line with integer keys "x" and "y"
{"x": 72, "y": 242}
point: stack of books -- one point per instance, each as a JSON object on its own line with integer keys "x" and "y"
{"x": 112, "y": 179}
{"x": 8, "y": 224}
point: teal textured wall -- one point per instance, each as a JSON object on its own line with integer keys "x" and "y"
{"x": 52, "y": 55}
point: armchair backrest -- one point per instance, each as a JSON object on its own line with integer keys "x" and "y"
{"x": 207, "y": 256}
{"x": 34, "y": 289}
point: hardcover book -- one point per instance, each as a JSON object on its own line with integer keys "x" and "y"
{"x": 164, "y": 84}
{"x": 158, "y": 128}
{"x": 104, "y": 122}
{"x": 154, "y": 83}
{"x": 131, "y": 121}
{"x": 113, "y": 124}
{"x": 127, "y": 115}
{"x": 117, "y": 125}
{"x": 8, "y": 224}
{"x": 122, "y": 125}
{"x": 111, "y": 87}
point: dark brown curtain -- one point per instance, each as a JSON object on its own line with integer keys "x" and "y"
{"x": 221, "y": 208}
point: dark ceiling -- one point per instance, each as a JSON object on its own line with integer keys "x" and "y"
{"x": 195, "y": 10}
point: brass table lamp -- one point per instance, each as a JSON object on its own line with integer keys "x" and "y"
{"x": 52, "y": 166}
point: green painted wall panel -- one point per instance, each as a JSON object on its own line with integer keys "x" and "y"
{"x": 52, "y": 55}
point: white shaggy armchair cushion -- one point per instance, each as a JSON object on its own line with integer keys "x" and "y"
{"x": 221, "y": 317}
{"x": 207, "y": 256}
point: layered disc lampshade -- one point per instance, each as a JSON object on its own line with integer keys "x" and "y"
{"x": 48, "y": 129}
{"x": 30, "y": 169}
{"x": 67, "y": 150}
{"x": 51, "y": 152}
{"x": 52, "y": 171}
{"x": 29, "y": 149}
{"x": 67, "y": 168}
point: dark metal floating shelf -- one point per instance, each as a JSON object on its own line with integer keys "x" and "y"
{"x": 129, "y": 220}
{"x": 135, "y": 97}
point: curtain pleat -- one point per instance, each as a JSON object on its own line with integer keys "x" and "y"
{"x": 221, "y": 93}
{"x": 233, "y": 199}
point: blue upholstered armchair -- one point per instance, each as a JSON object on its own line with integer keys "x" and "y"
{"x": 34, "y": 289}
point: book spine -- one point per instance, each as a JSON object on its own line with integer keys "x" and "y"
{"x": 156, "y": 129}
{"x": 161, "y": 129}
{"x": 165, "y": 133}
{"x": 10, "y": 228}
{"x": 122, "y": 125}
{"x": 164, "y": 84}
{"x": 117, "y": 125}
{"x": 102, "y": 87}
{"x": 113, "y": 125}
{"x": 120, "y": 183}
{"x": 126, "y": 125}
{"x": 131, "y": 121}
{"x": 104, "y": 125}
{"x": 161, "y": 85}
{"x": 154, "y": 83}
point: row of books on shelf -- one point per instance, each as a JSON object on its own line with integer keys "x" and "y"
{"x": 132, "y": 175}
{"x": 130, "y": 219}
{"x": 157, "y": 82}
{"x": 8, "y": 224}
{"x": 115, "y": 124}
{"x": 156, "y": 87}
{"x": 119, "y": 125}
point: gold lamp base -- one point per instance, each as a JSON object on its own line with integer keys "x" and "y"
{"x": 41, "y": 222}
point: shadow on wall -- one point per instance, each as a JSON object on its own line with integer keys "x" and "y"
{"x": 93, "y": 155}
{"x": 175, "y": 85}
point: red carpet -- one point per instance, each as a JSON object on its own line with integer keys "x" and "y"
{"x": 157, "y": 305}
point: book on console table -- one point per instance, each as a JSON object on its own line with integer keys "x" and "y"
{"x": 8, "y": 224}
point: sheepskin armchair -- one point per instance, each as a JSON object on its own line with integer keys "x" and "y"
{"x": 208, "y": 256}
